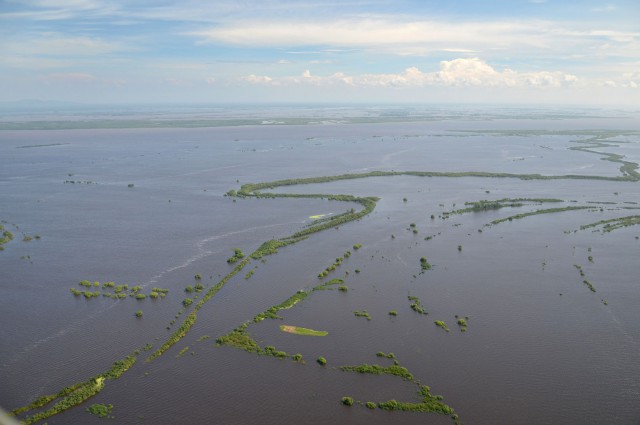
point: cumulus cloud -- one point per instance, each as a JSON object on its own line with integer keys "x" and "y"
{"x": 631, "y": 79}
{"x": 260, "y": 79}
{"x": 455, "y": 73}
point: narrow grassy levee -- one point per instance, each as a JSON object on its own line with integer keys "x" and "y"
{"x": 485, "y": 205}
{"x": 76, "y": 394}
{"x": 427, "y": 402}
{"x": 537, "y": 212}
{"x": 614, "y": 223}
{"x": 190, "y": 320}
{"x": 240, "y": 338}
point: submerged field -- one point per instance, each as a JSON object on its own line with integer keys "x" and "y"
{"x": 474, "y": 271}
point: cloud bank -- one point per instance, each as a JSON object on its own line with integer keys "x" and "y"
{"x": 402, "y": 36}
{"x": 461, "y": 72}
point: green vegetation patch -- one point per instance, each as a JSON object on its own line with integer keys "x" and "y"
{"x": 589, "y": 285}
{"x": 463, "y": 324}
{"x": 190, "y": 320}
{"x": 270, "y": 350}
{"x": 614, "y": 223}
{"x": 395, "y": 370}
{"x": 347, "y": 401}
{"x": 120, "y": 367}
{"x": 271, "y": 247}
{"x": 328, "y": 285}
{"x": 486, "y": 205}
{"x": 362, "y": 313}
{"x": 78, "y": 396}
{"x": 333, "y": 266}
{"x": 302, "y": 331}
{"x": 537, "y": 212}
{"x": 416, "y": 305}
{"x": 237, "y": 255}
{"x": 586, "y": 281}
{"x": 75, "y": 394}
{"x": 429, "y": 403}
{"x": 101, "y": 410}
{"x": 119, "y": 291}
{"x": 286, "y": 304}
{"x": 424, "y": 264}
{"x": 441, "y": 324}
{"x": 240, "y": 338}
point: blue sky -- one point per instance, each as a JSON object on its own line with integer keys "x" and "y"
{"x": 118, "y": 51}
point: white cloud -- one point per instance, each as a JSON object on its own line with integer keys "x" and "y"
{"x": 458, "y": 50}
{"x": 370, "y": 33}
{"x": 631, "y": 79}
{"x": 455, "y": 73}
{"x": 401, "y": 36}
{"x": 260, "y": 79}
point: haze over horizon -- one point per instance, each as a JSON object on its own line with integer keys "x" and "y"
{"x": 537, "y": 51}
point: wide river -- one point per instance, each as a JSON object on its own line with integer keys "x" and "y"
{"x": 146, "y": 207}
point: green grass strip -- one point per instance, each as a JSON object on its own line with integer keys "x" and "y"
{"x": 75, "y": 394}
{"x": 536, "y": 212}
{"x": 395, "y": 370}
{"x": 614, "y": 223}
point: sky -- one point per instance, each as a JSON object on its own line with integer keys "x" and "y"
{"x": 354, "y": 51}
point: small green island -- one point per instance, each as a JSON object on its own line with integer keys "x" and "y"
{"x": 302, "y": 331}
